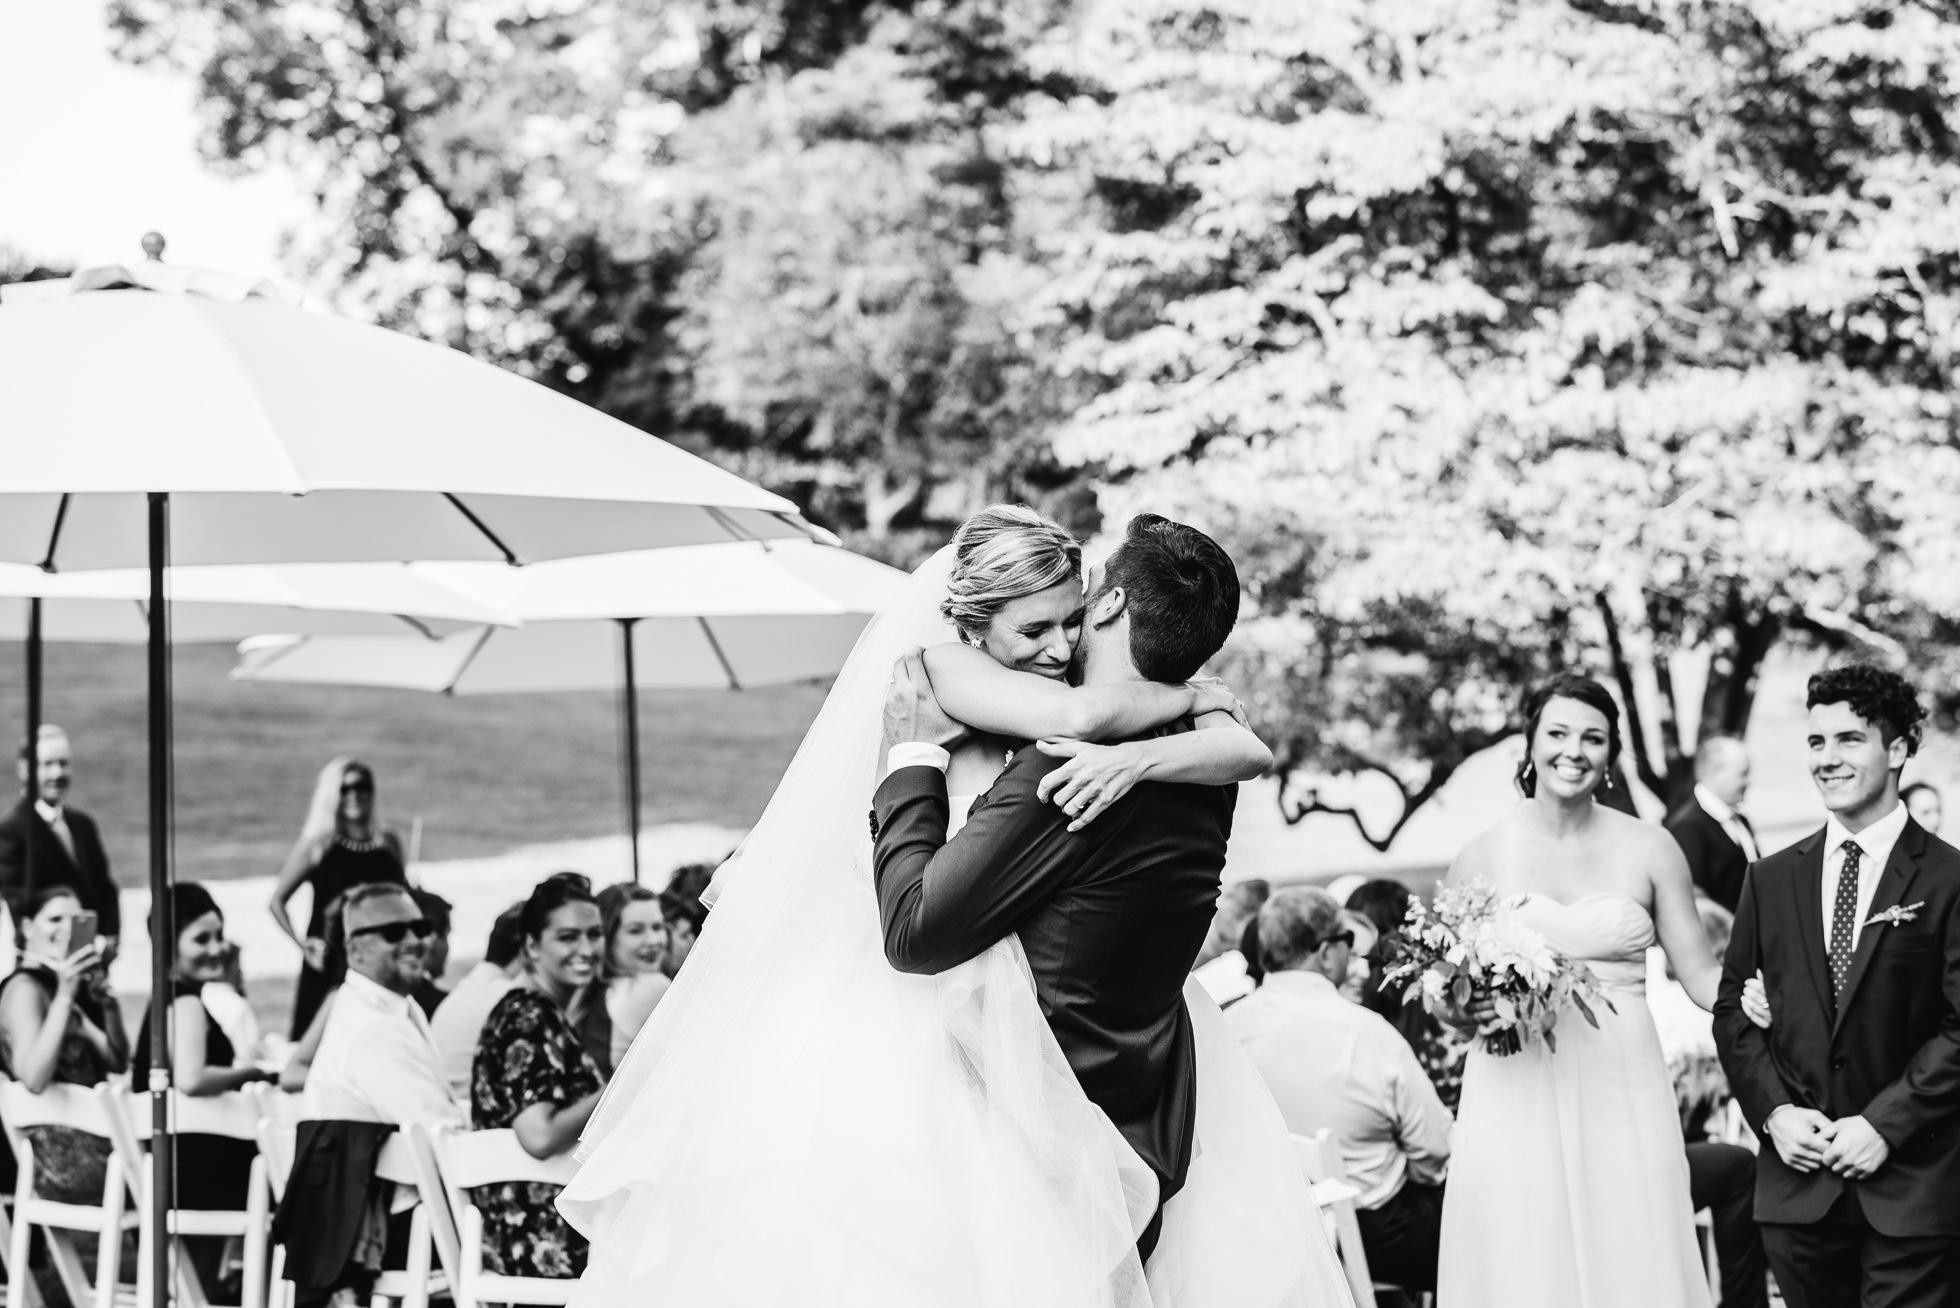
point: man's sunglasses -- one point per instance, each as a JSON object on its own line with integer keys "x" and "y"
{"x": 395, "y": 932}
{"x": 357, "y": 787}
{"x": 1338, "y": 938}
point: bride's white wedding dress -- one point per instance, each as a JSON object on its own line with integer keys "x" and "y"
{"x": 800, "y": 1123}
{"x": 1568, "y": 1178}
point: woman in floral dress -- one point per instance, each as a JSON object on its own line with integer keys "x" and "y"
{"x": 533, "y": 1076}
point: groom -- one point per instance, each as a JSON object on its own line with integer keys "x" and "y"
{"x": 1112, "y": 916}
{"x": 1856, "y": 1087}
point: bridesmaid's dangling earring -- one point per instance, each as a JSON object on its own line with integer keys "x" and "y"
{"x": 1607, "y": 785}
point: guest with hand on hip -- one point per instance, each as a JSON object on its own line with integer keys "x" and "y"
{"x": 341, "y": 845}
{"x": 534, "y": 1076}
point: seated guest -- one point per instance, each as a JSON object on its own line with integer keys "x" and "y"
{"x": 437, "y": 909}
{"x": 1922, "y": 800}
{"x": 333, "y": 966}
{"x": 59, "y": 1024}
{"x": 213, "y": 1171}
{"x": 225, "y": 1000}
{"x": 534, "y": 1076}
{"x": 1220, "y": 966}
{"x": 1333, "y": 1064}
{"x": 1440, "y": 1049}
{"x": 681, "y": 908}
{"x": 633, "y": 969}
{"x": 458, "y": 1020}
{"x": 376, "y": 1061}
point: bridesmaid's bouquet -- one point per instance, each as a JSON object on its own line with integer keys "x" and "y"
{"x": 1467, "y": 947}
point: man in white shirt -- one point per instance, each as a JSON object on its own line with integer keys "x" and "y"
{"x": 1332, "y": 1064}
{"x": 458, "y": 1021}
{"x": 377, "y": 1061}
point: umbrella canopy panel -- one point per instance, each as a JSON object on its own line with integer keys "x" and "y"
{"x": 668, "y": 653}
{"x": 231, "y": 603}
{"x": 288, "y": 436}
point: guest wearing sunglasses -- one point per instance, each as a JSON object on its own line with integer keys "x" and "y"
{"x": 376, "y": 1060}
{"x": 341, "y": 845}
{"x": 534, "y": 1076}
{"x": 1332, "y": 1064}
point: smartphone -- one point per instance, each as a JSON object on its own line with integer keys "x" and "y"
{"x": 81, "y": 932}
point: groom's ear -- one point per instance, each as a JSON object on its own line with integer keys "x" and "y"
{"x": 1108, "y": 607}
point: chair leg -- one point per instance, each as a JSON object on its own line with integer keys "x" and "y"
{"x": 108, "y": 1252}
{"x": 19, "y": 1274}
{"x": 69, "y": 1267}
{"x": 419, "y": 1246}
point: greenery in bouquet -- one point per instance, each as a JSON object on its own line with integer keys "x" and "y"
{"x": 1468, "y": 946}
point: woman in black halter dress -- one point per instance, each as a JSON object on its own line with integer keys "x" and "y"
{"x": 343, "y": 845}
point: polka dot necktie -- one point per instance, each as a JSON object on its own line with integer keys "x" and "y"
{"x": 1844, "y": 913}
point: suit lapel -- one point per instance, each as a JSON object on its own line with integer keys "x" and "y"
{"x": 1809, "y": 884}
{"x": 1893, "y": 883}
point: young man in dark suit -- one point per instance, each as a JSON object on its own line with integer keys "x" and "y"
{"x": 1110, "y": 916}
{"x": 58, "y": 843}
{"x": 1855, "y": 1089}
{"x": 1718, "y": 841}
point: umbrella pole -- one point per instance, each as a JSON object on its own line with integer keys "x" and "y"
{"x": 163, "y": 935}
{"x": 33, "y": 789}
{"x": 630, "y": 710}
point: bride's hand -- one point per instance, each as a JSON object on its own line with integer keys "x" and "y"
{"x": 1755, "y": 1001}
{"x": 1093, "y": 778}
{"x": 1212, "y": 695}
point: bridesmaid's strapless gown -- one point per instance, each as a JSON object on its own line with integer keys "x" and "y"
{"x": 1568, "y": 1183}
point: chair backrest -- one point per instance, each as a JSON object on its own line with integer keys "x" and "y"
{"x": 476, "y": 1158}
{"x": 1321, "y": 1164}
{"x": 234, "y": 1114}
{"x": 78, "y": 1107}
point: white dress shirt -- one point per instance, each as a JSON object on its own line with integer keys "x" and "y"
{"x": 1331, "y": 1063}
{"x": 1731, "y": 821}
{"x": 1875, "y": 844}
{"x": 916, "y": 754}
{"x": 458, "y": 1023}
{"x": 377, "y": 1062}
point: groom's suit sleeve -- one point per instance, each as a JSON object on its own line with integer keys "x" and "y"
{"x": 942, "y": 902}
{"x": 1743, "y": 1046}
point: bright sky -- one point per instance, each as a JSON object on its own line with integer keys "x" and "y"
{"x": 93, "y": 153}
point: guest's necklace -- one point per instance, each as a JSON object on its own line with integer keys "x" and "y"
{"x": 359, "y": 846}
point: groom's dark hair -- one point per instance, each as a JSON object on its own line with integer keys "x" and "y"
{"x": 1884, "y": 699}
{"x": 1181, "y": 592}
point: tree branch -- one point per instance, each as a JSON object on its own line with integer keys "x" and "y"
{"x": 1412, "y": 800}
{"x": 1650, "y": 776}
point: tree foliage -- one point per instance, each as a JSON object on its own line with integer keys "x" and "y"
{"x": 1496, "y": 337}
{"x": 1493, "y": 337}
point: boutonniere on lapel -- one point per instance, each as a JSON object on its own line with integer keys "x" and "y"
{"x": 1897, "y": 915}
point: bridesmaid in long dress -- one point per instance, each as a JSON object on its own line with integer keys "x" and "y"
{"x": 1569, "y": 1180}
{"x": 342, "y": 845}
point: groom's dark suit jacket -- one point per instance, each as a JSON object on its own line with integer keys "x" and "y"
{"x": 1890, "y": 1051}
{"x": 1111, "y": 918}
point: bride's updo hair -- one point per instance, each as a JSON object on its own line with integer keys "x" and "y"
{"x": 1001, "y": 553}
{"x": 1568, "y": 685}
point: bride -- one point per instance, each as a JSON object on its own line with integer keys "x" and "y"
{"x": 801, "y": 1123}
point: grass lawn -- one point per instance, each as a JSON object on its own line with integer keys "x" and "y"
{"x": 484, "y": 774}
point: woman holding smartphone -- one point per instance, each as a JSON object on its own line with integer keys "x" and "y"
{"x": 56, "y": 1026}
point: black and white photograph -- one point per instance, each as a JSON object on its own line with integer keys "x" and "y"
{"x": 979, "y": 653}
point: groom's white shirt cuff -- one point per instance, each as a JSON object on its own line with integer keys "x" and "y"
{"x": 916, "y": 754}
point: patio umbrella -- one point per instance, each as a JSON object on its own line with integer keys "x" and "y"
{"x": 152, "y": 418}
{"x": 699, "y": 617}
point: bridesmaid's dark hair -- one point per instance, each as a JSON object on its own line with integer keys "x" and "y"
{"x": 1567, "y": 685}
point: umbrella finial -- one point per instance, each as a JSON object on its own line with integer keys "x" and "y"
{"x": 153, "y": 246}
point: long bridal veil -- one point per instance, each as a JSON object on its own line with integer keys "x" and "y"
{"x": 800, "y": 1123}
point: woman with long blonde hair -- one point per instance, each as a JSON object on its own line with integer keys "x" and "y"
{"x": 341, "y": 845}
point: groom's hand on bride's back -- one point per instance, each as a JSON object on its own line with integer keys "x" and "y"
{"x": 912, "y": 713}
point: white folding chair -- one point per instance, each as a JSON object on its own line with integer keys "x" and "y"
{"x": 236, "y": 1116}
{"x": 411, "y": 1287}
{"x": 1334, "y": 1196}
{"x": 78, "y": 1108}
{"x": 468, "y": 1159}
{"x": 29, "y": 1289}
